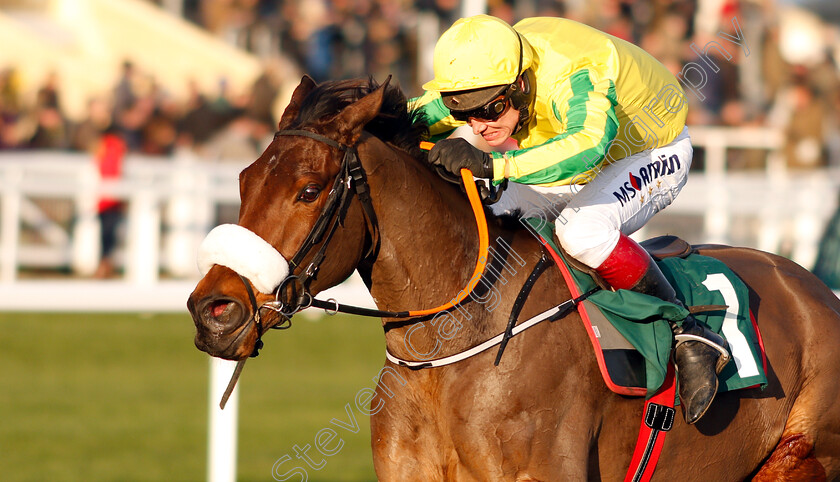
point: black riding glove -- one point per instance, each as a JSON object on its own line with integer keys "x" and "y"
{"x": 455, "y": 154}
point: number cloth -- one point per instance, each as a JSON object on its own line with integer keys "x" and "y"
{"x": 698, "y": 280}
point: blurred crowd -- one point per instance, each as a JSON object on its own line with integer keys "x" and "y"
{"x": 758, "y": 82}
{"x": 148, "y": 119}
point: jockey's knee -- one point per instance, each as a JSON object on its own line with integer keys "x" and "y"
{"x": 589, "y": 239}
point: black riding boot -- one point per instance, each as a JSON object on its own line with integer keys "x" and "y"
{"x": 698, "y": 361}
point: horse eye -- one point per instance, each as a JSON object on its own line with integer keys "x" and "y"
{"x": 310, "y": 193}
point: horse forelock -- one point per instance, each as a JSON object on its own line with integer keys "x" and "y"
{"x": 394, "y": 124}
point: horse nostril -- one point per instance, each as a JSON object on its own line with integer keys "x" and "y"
{"x": 221, "y": 312}
{"x": 226, "y": 312}
{"x": 217, "y": 308}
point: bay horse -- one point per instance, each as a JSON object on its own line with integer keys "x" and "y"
{"x": 544, "y": 413}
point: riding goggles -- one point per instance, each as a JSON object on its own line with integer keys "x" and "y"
{"x": 488, "y": 112}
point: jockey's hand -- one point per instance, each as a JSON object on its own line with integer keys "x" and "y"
{"x": 455, "y": 154}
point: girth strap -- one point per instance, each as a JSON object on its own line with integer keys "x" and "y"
{"x": 520, "y": 302}
{"x": 657, "y": 419}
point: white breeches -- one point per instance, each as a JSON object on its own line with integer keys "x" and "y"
{"x": 621, "y": 198}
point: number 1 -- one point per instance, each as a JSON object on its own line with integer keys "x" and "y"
{"x": 738, "y": 345}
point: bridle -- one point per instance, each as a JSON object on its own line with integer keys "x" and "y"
{"x": 292, "y": 294}
{"x": 352, "y": 181}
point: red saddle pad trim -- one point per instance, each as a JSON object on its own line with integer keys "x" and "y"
{"x": 599, "y": 353}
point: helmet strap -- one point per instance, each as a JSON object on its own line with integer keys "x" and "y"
{"x": 520, "y": 96}
{"x": 521, "y": 99}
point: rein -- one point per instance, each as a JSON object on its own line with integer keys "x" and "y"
{"x": 333, "y": 307}
{"x": 352, "y": 180}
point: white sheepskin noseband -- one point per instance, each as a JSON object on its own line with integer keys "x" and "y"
{"x": 246, "y": 253}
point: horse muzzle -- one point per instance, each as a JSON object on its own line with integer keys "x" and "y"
{"x": 224, "y": 326}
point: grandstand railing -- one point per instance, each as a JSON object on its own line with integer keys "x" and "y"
{"x": 173, "y": 202}
{"x": 170, "y": 206}
{"x": 773, "y": 209}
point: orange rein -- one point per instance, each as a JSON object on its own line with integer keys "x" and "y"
{"x": 483, "y": 242}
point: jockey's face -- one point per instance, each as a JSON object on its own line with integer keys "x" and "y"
{"x": 496, "y": 132}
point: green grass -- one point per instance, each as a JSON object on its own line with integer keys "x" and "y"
{"x": 116, "y": 397}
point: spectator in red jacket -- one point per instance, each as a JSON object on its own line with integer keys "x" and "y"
{"x": 109, "y": 158}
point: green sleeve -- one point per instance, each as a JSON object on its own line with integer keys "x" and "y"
{"x": 440, "y": 122}
{"x": 588, "y": 114}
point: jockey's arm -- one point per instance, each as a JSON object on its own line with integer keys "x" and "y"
{"x": 582, "y": 111}
{"x": 440, "y": 122}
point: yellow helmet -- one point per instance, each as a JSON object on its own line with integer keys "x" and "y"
{"x": 477, "y": 52}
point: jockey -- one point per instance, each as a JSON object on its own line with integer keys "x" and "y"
{"x": 602, "y": 147}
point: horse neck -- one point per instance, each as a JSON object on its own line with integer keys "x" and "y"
{"x": 429, "y": 247}
{"x": 428, "y": 237}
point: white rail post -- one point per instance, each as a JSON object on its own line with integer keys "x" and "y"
{"x": 143, "y": 254}
{"x": 179, "y": 241}
{"x": 808, "y": 220}
{"x": 222, "y": 433}
{"x": 717, "y": 218}
{"x": 86, "y": 241}
{"x": 10, "y": 225}
{"x": 428, "y": 30}
{"x": 470, "y": 8}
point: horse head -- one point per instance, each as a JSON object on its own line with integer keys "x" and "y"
{"x": 260, "y": 271}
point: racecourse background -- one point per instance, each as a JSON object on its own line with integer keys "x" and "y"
{"x": 788, "y": 71}
{"x": 73, "y": 68}
{"x": 196, "y": 94}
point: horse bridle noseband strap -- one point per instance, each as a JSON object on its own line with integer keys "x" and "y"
{"x": 351, "y": 180}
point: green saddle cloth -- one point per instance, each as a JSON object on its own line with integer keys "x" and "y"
{"x": 643, "y": 319}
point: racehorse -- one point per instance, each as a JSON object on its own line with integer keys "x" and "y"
{"x": 544, "y": 413}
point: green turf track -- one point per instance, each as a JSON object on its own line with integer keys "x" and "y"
{"x": 117, "y": 397}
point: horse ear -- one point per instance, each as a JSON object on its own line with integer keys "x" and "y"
{"x": 301, "y": 91}
{"x": 350, "y": 122}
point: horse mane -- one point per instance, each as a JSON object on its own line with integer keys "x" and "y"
{"x": 395, "y": 123}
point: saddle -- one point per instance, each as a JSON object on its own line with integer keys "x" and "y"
{"x": 629, "y": 331}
